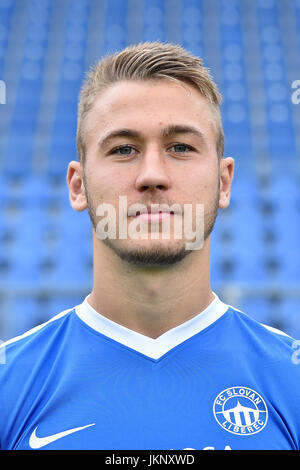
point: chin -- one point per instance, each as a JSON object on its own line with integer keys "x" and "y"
{"x": 149, "y": 253}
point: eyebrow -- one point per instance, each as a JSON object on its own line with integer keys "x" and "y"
{"x": 183, "y": 129}
{"x": 118, "y": 133}
{"x": 167, "y": 132}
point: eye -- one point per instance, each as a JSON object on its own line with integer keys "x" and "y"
{"x": 181, "y": 148}
{"x": 123, "y": 150}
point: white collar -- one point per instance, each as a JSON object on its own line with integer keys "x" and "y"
{"x": 154, "y": 348}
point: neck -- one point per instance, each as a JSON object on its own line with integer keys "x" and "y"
{"x": 150, "y": 301}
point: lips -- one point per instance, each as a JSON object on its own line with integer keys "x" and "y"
{"x": 149, "y": 212}
{"x": 154, "y": 209}
{"x": 154, "y": 217}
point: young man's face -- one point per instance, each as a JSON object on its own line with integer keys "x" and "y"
{"x": 155, "y": 143}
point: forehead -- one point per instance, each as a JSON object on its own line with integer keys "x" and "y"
{"x": 149, "y": 104}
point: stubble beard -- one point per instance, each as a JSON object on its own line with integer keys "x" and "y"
{"x": 158, "y": 255}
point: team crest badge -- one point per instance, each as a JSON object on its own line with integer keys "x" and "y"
{"x": 240, "y": 410}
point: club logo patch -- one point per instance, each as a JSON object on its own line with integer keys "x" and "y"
{"x": 240, "y": 410}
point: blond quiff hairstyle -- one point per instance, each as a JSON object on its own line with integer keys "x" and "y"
{"x": 148, "y": 61}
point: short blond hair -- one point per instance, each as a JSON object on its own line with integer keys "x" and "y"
{"x": 147, "y": 61}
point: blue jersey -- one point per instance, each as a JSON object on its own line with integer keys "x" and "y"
{"x": 218, "y": 381}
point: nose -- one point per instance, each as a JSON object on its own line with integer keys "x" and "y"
{"x": 153, "y": 171}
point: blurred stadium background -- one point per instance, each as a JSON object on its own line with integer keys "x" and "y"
{"x": 252, "y": 48}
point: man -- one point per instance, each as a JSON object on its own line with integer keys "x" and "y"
{"x": 152, "y": 358}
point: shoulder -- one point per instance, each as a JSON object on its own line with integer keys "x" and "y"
{"x": 263, "y": 339}
{"x": 26, "y": 362}
{"x": 261, "y": 329}
{"x": 21, "y": 347}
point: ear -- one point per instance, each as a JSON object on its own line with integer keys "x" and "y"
{"x": 75, "y": 183}
{"x": 226, "y": 177}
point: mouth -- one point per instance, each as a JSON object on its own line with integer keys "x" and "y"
{"x": 139, "y": 209}
{"x": 153, "y": 217}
